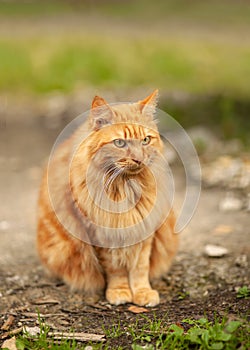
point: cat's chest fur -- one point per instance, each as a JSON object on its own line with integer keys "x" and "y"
{"x": 136, "y": 216}
{"x": 126, "y": 257}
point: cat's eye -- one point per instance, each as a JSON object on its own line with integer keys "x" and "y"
{"x": 146, "y": 140}
{"x": 120, "y": 143}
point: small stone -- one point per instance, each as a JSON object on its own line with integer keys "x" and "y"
{"x": 4, "y": 225}
{"x": 230, "y": 203}
{"x": 241, "y": 261}
{"x": 215, "y": 251}
{"x": 32, "y": 330}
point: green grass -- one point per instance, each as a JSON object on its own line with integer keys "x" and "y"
{"x": 243, "y": 293}
{"x": 43, "y": 65}
{"x": 154, "y": 333}
{"x": 33, "y": 8}
{"x": 183, "y": 54}
{"x": 200, "y": 48}
{"x": 212, "y": 12}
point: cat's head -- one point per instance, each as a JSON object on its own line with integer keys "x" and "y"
{"x": 124, "y": 137}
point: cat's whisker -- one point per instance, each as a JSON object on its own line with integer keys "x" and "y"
{"x": 112, "y": 178}
{"x": 109, "y": 168}
{"x": 108, "y": 164}
{"x": 107, "y": 173}
{"x": 107, "y": 179}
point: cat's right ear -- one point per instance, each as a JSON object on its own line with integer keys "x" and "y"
{"x": 101, "y": 113}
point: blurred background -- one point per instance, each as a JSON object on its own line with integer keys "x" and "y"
{"x": 56, "y": 55}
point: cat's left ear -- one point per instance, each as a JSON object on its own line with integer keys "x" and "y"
{"x": 150, "y": 102}
{"x": 101, "y": 113}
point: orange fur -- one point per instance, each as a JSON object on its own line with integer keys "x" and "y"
{"x": 104, "y": 221}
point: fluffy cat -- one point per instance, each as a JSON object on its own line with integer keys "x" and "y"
{"x": 104, "y": 219}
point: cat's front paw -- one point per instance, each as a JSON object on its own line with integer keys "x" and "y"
{"x": 118, "y": 296}
{"x": 146, "y": 297}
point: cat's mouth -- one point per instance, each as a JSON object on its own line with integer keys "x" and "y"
{"x": 131, "y": 167}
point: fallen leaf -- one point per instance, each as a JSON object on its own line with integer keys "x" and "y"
{"x": 8, "y": 323}
{"x": 137, "y": 309}
{"x": 9, "y": 344}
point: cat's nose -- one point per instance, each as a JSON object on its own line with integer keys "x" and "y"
{"x": 138, "y": 162}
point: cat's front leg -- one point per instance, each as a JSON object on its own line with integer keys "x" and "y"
{"x": 142, "y": 292}
{"x": 118, "y": 290}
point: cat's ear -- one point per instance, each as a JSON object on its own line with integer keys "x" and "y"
{"x": 101, "y": 113}
{"x": 150, "y": 102}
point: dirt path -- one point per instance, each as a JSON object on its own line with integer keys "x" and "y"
{"x": 196, "y": 284}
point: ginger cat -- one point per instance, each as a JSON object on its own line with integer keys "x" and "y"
{"x": 104, "y": 219}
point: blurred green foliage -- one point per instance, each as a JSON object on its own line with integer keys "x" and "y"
{"x": 42, "y": 65}
{"x": 170, "y": 44}
{"x": 197, "y": 47}
{"x": 229, "y": 12}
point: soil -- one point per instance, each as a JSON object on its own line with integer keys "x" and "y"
{"x": 196, "y": 285}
